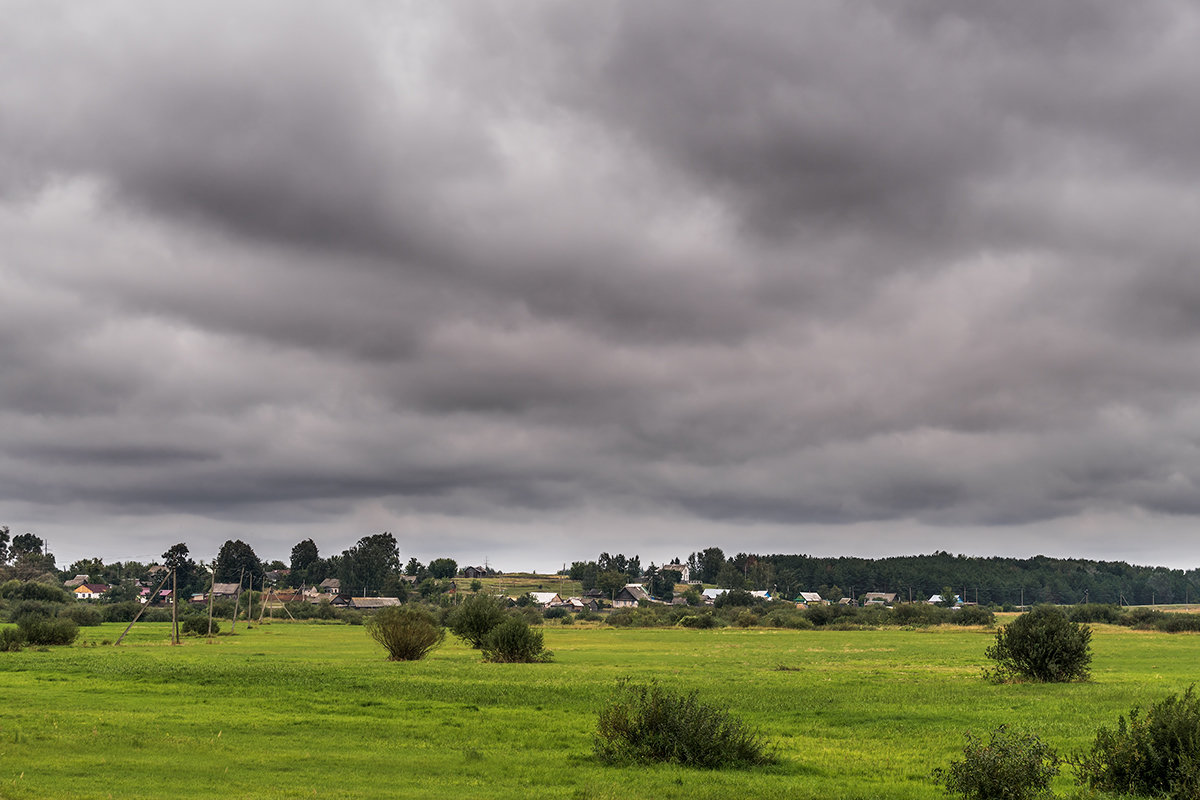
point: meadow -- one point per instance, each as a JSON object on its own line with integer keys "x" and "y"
{"x": 289, "y": 710}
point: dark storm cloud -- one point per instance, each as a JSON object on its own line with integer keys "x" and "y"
{"x": 675, "y": 267}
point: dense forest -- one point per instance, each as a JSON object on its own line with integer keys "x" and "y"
{"x": 990, "y": 580}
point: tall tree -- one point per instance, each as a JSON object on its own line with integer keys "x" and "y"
{"x": 4, "y": 538}
{"x": 187, "y": 572}
{"x": 26, "y": 544}
{"x": 369, "y": 563}
{"x": 236, "y": 558}
{"x": 443, "y": 568}
{"x": 304, "y": 555}
{"x": 711, "y": 559}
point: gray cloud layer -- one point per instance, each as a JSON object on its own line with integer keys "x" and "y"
{"x": 809, "y": 277}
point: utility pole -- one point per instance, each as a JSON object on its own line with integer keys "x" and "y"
{"x": 175, "y": 605}
{"x": 212, "y": 583}
{"x": 237, "y": 600}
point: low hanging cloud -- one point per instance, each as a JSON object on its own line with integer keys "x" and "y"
{"x": 875, "y": 278}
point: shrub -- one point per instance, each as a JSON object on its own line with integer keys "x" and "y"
{"x": 474, "y": 619}
{"x": 788, "y": 618}
{"x": 120, "y": 612}
{"x": 46, "y": 631}
{"x": 567, "y": 620}
{"x": 513, "y": 641}
{"x": 1153, "y": 754}
{"x": 746, "y": 619}
{"x": 11, "y": 639}
{"x": 698, "y": 621}
{"x": 973, "y": 615}
{"x": 407, "y": 632}
{"x": 352, "y": 617}
{"x": 197, "y": 625}
{"x": 620, "y": 619}
{"x": 555, "y": 613}
{"x": 647, "y": 723}
{"x": 30, "y": 609}
{"x": 81, "y": 615}
{"x": 1010, "y": 766}
{"x": 1042, "y": 645}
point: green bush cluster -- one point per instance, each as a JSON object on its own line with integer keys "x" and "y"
{"x": 1140, "y": 617}
{"x": 46, "y": 631}
{"x": 475, "y": 618}
{"x": 408, "y": 632}
{"x": 197, "y": 625}
{"x": 1010, "y": 765}
{"x": 1042, "y": 645}
{"x": 514, "y": 642}
{"x": 1152, "y": 754}
{"x": 83, "y": 615}
{"x": 648, "y": 724}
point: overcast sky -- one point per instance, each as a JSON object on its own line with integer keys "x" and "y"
{"x": 524, "y": 282}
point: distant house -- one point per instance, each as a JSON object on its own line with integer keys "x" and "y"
{"x": 847, "y": 601}
{"x": 879, "y": 598}
{"x": 595, "y": 594}
{"x": 226, "y": 589}
{"x": 77, "y": 580}
{"x": 331, "y": 586}
{"x": 761, "y": 594}
{"x": 685, "y": 572}
{"x": 474, "y": 572}
{"x": 631, "y": 596}
{"x": 580, "y": 604}
{"x": 811, "y": 598}
{"x": 287, "y": 597}
{"x": 90, "y": 591}
{"x": 710, "y": 595}
{"x": 371, "y": 603}
{"x": 546, "y": 599}
{"x": 936, "y": 599}
{"x": 276, "y": 575}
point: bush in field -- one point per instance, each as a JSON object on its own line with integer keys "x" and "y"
{"x": 703, "y": 621}
{"x": 1155, "y": 754}
{"x": 11, "y": 640}
{"x": 514, "y": 642}
{"x": 1179, "y": 623}
{"x": 84, "y": 616}
{"x": 196, "y": 625}
{"x": 474, "y": 619}
{"x": 48, "y": 631}
{"x": 27, "y": 609}
{"x": 648, "y": 724}
{"x": 1042, "y": 645}
{"x": 120, "y": 612}
{"x": 351, "y": 616}
{"x": 1009, "y": 766}
{"x": 407, "y": 632}
{"x": 735, "y": 597}
{"x": 746, "y": 619}
{"x": 973, "y": 615}
{"x": 555, "y": 613}
{"x": 787, "y": 618}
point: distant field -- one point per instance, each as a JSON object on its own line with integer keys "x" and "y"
{"x": 291, "y": 710}
{"x": 519, "y": 583}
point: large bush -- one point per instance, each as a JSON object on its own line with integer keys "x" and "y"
{"x": 11, "y": 639}
{"x": 1155, "y": 754}
{"x": 85, "y": 616}
{"x": 120, "y": 612}
{"x": 407, "y": 632}
{"x": 647, "y": 723}
{"x": 48, "y": 631}
{"x": 513, "y": 642}
{"x": 197, "y": 625}
{"x": 476, "y": 617}
{"x": 1042, "y": 645}
{"x": 1009, "y": 766}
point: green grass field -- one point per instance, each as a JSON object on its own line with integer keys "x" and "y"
{"x": 290, "y": 710}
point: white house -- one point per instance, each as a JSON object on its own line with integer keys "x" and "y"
{"x": 545, "y": 599}
{"x": 811, "y": 597}
{"x": 89, "y": 591}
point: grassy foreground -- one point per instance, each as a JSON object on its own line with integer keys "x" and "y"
{"x": 291, "y": 710}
